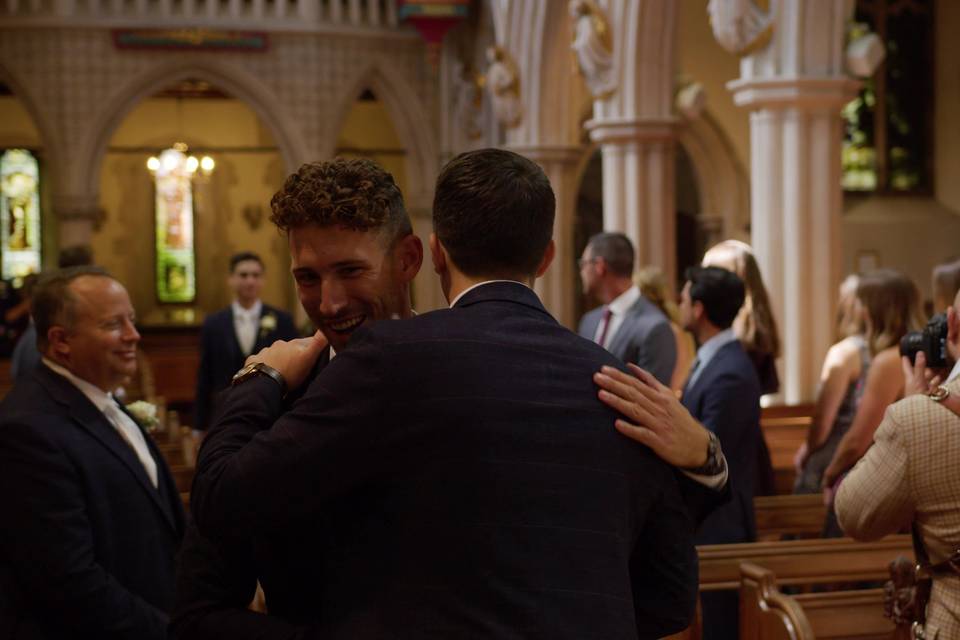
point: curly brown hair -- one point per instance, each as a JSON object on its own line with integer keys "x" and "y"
{"x": 354, "y": 193}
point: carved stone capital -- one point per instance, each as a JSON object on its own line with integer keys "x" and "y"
{"x": 804, "y": 93}
{"x": 741, "y": 26}
{"x": 612, "y": 131}
{"x": 593, "y": 47}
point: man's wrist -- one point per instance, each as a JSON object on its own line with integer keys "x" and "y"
{"x": 714, "y": 459}
{"x": 255, "y": 369}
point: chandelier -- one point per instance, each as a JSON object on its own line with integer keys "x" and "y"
{"x": 176, "y": 160}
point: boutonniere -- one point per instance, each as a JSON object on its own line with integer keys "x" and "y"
{"x": 145, "y": 413}
{"x": 267, "y": 324}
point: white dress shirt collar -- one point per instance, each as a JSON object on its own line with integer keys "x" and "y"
{"x": 480, "y": 284}
{"x": 707, "y": 351}
{"x": 619, "y": 305}
{"x": 253, "y": 312}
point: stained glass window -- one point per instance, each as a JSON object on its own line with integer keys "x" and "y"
{"x": 888, "y": 142}
{"x": 176, "y": 260}
{"x": 19, "y": 214}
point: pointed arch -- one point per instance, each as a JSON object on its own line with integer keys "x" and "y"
{"x": 410, "y": 119}
{"x": 234, "y": 81}
{"x": 723, "y": 183}
{"x": 48, "y": 134}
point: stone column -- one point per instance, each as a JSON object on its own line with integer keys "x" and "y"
{"x": 795, "y": 87}
{"x": 635, "y": 127}
{"x": 555, "y": 287}
{"x": 77, "y": 219}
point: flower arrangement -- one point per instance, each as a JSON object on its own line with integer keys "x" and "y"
{"x": 145, "y": 413}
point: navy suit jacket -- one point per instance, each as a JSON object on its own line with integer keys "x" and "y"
{"x": 726, "y": 399}
{"x": 644, "y": 338}
{"x": 221, "y": 356}
{"x": 87, "y": 546}
{"x": 454, "y": 475}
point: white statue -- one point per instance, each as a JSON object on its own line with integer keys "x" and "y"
{"x": 503, "y": 81}
{"x": 739, "y": 25}
{"x": 593, "y": 48}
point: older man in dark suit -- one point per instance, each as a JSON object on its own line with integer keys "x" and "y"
{"x": 627, "y": 325}
{"x": 92, "y": 517}
{"x": 230, "y": 335}
{"x": 456, "y": 470}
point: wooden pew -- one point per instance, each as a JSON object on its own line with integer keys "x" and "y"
{"x": 785, "y": 429}
{"x": 767, "y": 614}
{"x": 797, "y": 562}
{"x": 800, "y": 516}
{"x": 183, "y": 476}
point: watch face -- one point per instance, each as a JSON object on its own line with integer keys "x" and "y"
{"x": 244, "y": 373}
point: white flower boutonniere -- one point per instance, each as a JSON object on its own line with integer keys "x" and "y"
{"x": 145, "y": 414}
{"x": 267, "y": 324}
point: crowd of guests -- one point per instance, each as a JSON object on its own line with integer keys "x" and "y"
{"x": 453, "y": 474}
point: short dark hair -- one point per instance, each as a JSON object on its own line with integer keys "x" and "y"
{"x": 76, "y": 256}
{"x": 721, "y": 292}
{"x": 53, "y": 302}
{"x": 355, "y": 193}
{"x": 244, "y": 256}
{"x": 493, "y": 211}
{"x": 616, "y": 250}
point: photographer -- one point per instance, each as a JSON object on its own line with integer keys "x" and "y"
{"x": 910, "y": 476}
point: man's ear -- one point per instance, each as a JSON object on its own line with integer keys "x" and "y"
{"x": 696, "y": 307}
{"x": 548, "y": 256}
{"x": 57, "y": 342}
{"x": 438, "y": 254}
{"x": 408, "y": 256}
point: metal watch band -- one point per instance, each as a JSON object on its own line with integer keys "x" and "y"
{"x": 715, "y": 461}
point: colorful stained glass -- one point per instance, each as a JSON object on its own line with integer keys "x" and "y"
{"x": 19, "y": 214}
{"x": 176, "y": 259}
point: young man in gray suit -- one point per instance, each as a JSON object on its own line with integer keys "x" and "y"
{"x": 627, "y": 325}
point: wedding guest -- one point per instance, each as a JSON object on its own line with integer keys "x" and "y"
{"x": 230, "y": 335}
{"x": 654, "y": 288}
{"x": 89, "y": 536}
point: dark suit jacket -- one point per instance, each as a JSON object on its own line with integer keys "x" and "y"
{"x": 87, "y": 546}
{"x": 454, "y": 475}
{"x": 726, "y": 399}
{"x": 221, "y": 356}
{"x": 644, "y": 338}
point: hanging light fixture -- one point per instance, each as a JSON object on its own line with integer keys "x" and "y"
{"x": 177, "y": 156}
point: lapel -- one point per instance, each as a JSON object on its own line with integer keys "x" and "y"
{"x": 618, "y": 346}
{"x": 92, "y": 421}
{"x": 695, "y": 391}
{"x": 229, "y": 330}
{"x": 264, "y": 338}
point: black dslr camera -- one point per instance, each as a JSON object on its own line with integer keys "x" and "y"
{"x": 932, "y": 341}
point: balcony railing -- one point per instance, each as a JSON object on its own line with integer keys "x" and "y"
{"x": 287, "y": 15}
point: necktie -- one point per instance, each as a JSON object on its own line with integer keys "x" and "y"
{"x": 605, "y": 321}
{"x": 133, "y": 436}
{"x": 693, "y": 371}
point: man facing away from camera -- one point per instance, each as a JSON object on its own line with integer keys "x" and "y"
{"x": 455, "y": 472}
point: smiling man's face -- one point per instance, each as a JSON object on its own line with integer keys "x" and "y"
{"x": 345, "y": 278}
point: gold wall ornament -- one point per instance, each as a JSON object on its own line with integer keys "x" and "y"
{"x": 503, "y": 81}
{"x": 593, "y": 47}
{"x": 742, "y": 27}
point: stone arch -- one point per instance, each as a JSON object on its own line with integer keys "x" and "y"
{"x": 48, "y": 136}
{"x": 410, "y": 119}
{"x": 723, "y": 183}
{"x": 236, "y": 82}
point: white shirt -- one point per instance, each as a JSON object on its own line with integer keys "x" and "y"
{"x": 124, "y": 424}
{"x": 618, "y": 311}
{"x": 246, "y": 323}
{"x": 480, "y": 284}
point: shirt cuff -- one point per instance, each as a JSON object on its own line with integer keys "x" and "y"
{"x": 715, "y": 482}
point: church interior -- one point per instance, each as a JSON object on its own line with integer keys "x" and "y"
{"x": 821, "y": 132}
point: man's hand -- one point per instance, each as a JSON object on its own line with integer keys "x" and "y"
{"x": 294, "y": 359}
{"x": 953, "y": 330}
{"x": 654, "y": 416}
{"x": 917, "y": 378}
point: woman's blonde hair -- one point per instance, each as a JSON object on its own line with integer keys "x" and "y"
{"x": 653, "y": 286}
{"x": 754, "y": 325}
{"x": 891, "y": 307}
{"x": 849, "y": 311}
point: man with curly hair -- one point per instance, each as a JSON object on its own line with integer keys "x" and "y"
{"x": 454, "y": 474}
{"x": 354, "y": 257}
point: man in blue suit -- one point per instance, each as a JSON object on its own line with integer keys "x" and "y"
{"x": 723, "y": 393}
{"x": 230, "y": 335}
{"x": 92, "y": 516}
{"x": 455, "y": 473}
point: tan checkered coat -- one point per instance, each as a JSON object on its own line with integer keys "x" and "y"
{"x": 912, "y": 471}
